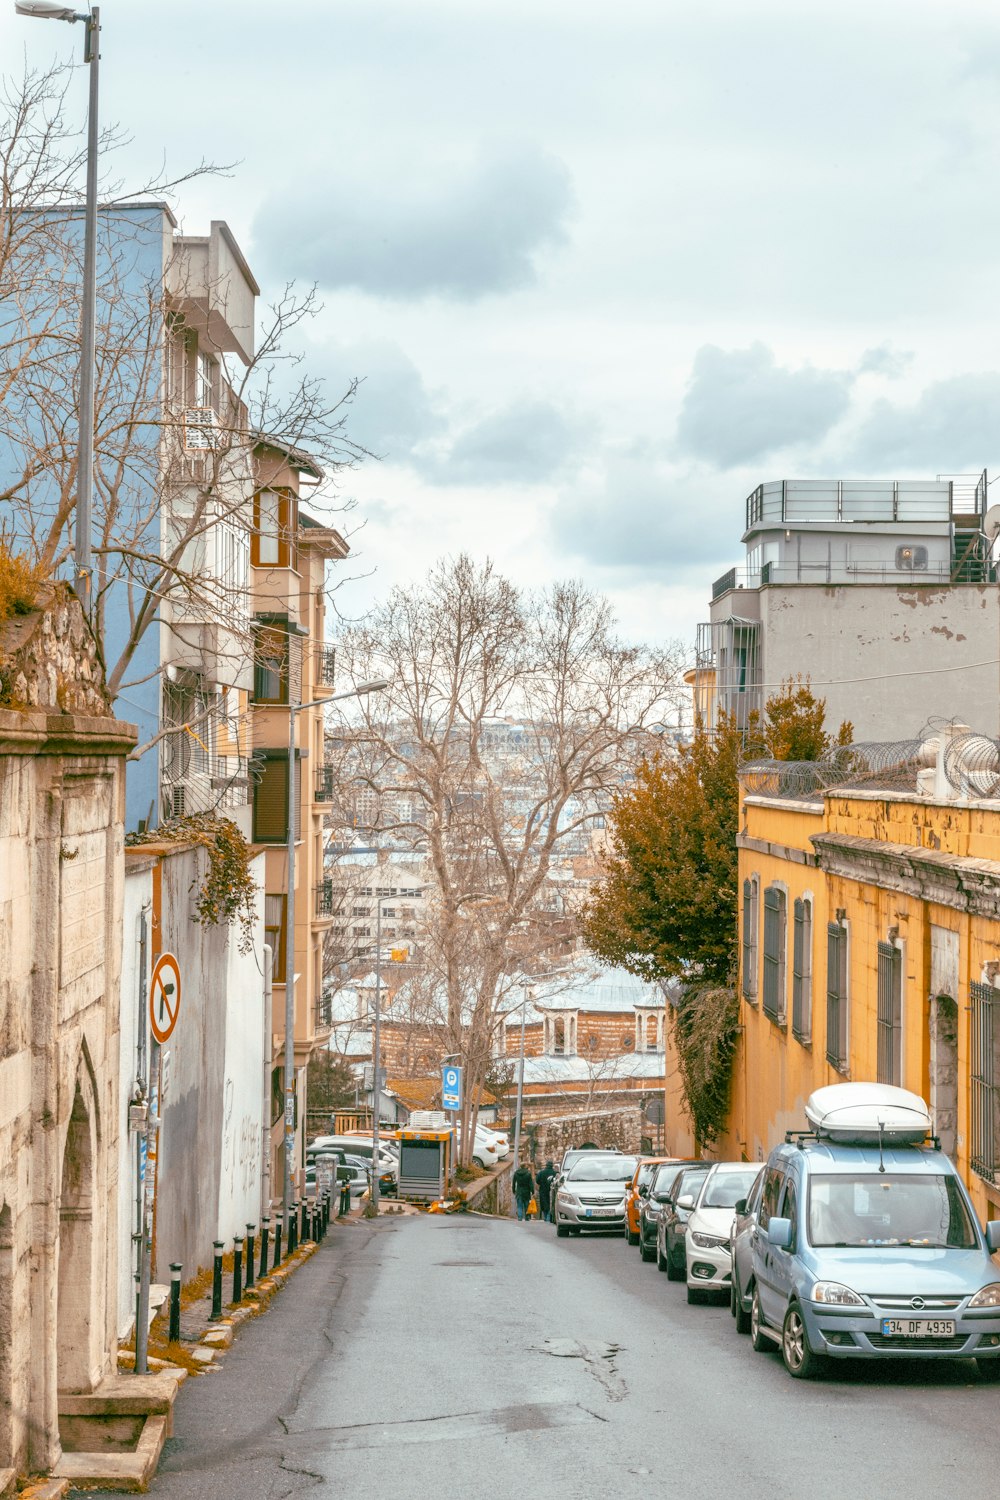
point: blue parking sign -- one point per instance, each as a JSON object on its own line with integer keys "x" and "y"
{"x": 451, "y": 1087}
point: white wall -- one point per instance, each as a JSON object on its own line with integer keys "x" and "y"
{"x": 138, "y": 893}
{"x": 242, "y": 1115}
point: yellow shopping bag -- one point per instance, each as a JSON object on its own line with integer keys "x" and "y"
{"x": 533, "y": 1209}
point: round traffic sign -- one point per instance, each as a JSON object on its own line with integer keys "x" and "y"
{"x": 164, "y": 996}
{"x": 451, "y": 1078}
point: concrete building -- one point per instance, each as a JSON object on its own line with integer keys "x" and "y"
{"x": 293, "y": 664}
{"x": 870, "y": 934}
{"x": 62, "y": 790}
{"x": 883, "y": 593}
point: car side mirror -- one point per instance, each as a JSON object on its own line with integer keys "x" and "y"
{"x": 993, "y": 1235}
{"x": 779, "y": 1233}
{"x": 643, "y": 1190}
{"x": 687, "y": 1202}
{"x": 741, "y": 1206}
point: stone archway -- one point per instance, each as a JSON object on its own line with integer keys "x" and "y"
{"x": 944, "y": 1070}
{"x": 77, "y": 1305}
{"x": 7, "y": 1444}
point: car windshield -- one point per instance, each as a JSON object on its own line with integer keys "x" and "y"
{"x": 726, "y": 1188}
{"x": 887, "y": 1209}
{"x": 688, "y": 1182}
{"x": 664, "y": 1177}
{"x": 644, "y": 1175}
{"x": 603, "y": 1169}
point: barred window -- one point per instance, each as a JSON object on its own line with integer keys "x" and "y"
{"x": 837, "y": 996}
{"x": 750, "y": 939}
{"x": 775, "y": 922}
{"x": 890, "y": 1014}
{"x": 802, "y": 939}
{"x": 985, "y": 1049}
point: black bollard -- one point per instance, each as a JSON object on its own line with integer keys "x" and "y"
{"x": 293, "y": 1228}
{"x": 248, "y": 1279}
{"x": 325, "y": 1219}
{"x": 237, "y": 1270}
{"x": 265, "y": 1231}
{"x": 217, "y": 1281}
{"x": 277, "y": 1244}
{"x": 305, "y": 1219}
{"x": 175, "y": 1301}
{"x": 345, "y": 1199}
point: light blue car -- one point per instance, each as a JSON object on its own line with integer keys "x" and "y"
{"x": 871, "y": 1252}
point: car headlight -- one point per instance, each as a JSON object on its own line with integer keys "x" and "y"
{"x": 832, "y": 1294}
{"x": 568, "y": 1198}
{"x": 987, "y": 1296}
{"x": 709, "y": 1241}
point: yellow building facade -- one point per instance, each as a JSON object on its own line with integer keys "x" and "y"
{"x": 870, "y": 950}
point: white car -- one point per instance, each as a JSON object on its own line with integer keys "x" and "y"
{"x": 707, "y": 1243}
{"x": 484, "y": 1150}
{"x": 499, "y": 1138}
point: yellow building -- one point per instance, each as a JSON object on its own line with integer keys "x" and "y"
{"x": 293, "y": 664}
{"x": 870, "y": 943}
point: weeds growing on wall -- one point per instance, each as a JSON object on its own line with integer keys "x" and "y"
{"x": 705, "y": 1028}
{"x": 19, "y": 582}
{"x": 228, "y": 892}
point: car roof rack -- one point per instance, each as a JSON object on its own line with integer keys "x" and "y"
{"x": 797, "y": 1137}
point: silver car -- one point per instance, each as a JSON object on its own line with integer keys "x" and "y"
{"x": 592, "y": 1194}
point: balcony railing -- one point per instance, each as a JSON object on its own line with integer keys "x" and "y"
{"x": 721, "y": 585}
{"x": 324, "y": 784}
{"x": 822, "y": 500}
{"x": 324, "y": 898}
{"x": 326, "y": 665}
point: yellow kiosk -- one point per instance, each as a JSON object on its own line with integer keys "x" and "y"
{"x": 425, "y": 1158}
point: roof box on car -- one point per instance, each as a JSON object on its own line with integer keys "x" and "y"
{"x": 859, "y": 1114}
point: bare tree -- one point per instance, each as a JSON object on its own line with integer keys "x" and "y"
{"x": 464, "y": 654}
{"x": 177, "y": 451}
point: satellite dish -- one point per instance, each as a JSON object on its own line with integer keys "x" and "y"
{"x": 991, "y": 523}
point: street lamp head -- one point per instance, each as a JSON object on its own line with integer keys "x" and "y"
{"x": 48, "y": 10}
{"x": 376, "y": 685}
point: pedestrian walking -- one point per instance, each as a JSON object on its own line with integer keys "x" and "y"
{"x": 545, "y": 1178}
{"x": 524, "y": 1186}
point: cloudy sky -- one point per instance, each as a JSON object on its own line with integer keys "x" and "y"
{"x": 603, "y": 268}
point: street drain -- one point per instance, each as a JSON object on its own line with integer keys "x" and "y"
{"x": 464, "y": 1262}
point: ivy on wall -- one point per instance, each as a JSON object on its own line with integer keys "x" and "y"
{"x": 228, "y": 892}
{"x": 705, "y": 1029}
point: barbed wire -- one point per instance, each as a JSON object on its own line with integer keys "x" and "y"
{"x": 970, "y": 762}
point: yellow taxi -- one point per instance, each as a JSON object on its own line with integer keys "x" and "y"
{"x": 643, "y": 1176}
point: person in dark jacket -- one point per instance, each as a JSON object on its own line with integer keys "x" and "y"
{"x": 524, "y": 1185}
{"x": 545, "y": 1178}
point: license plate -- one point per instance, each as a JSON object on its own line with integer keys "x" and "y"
{"x": 918, "y": 1328}
{"x": 599, "y": 1213}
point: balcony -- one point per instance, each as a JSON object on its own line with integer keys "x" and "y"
{"x": 325, "y": 903}
{"x": 324, "y": 784}
{"x": 325, "y": 665}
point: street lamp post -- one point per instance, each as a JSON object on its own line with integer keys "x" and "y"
{"x": 520, "y": 1086}
{"x": 50, "y": 10}
{"x": 376, "y": 1053}
{"x": 289, "y": 1140}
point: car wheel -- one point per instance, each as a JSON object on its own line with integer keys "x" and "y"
{"x": 630, "y": 1238}
{"x": 989, "y": 1369}
{"x": 800, "y": 1361}
{"x": 758, "y": 1337}
{"x": 742, "y": 1316}
{"x": 695, "y": 1294}
{"x": 662, "y": 1264}
{"x": 562, "y": 1230}
{"x": 644, "y": 1250}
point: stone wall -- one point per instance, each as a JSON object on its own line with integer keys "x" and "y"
{"x": 545, "y": 1140}
{"x": 49, "y": 659}
{"x": 61, "y": 871}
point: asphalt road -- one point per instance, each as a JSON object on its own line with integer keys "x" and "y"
{"x": 455, "y": 1357}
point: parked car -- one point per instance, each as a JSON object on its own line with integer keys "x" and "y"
{"x": 574, "y": 1153}
{"x": 672, "y": 1223}
{"x": 708, "y": 1240}
{"x": 357, "y": 1145}
{"x": 651, "y": 1205}
{"x": 741, "y": 1271}
{"x": 592, "y": 1195}
{"x": 867, "y": 1245}
{"x": 636, "y": 1191}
